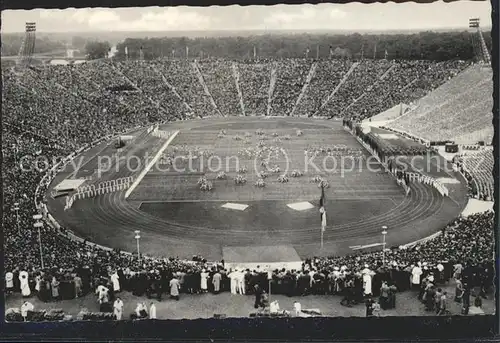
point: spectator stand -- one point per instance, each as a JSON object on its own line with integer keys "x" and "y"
{"x": 323, "y": 111}
{"x": 236, "y": 75}
{"x": 206, "y": 90}
{"x": 477, "y": 168}
{"x": 255, "y": 81}
{"x": 310, "y": 76}
{"x": 221, "y": 82}
{"x": 291, "y": 77}
{"x": 135, "y": 86}
{"x": 273, "y": 79}
{"x": 365, "y": 75}
{"x": 444, "y": 113}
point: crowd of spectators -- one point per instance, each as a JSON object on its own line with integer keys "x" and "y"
{"x": 290, "y": 79}
{"x": 148, "y": 78}
{"x": 363, "y": 77}
{"x": 220, "y": 78}
{"x": 327, "y": 76}
{"x": 176, "y": 88}
{"x": 463, "y": 251}
{"x": 378, "y": 86}
{"x": 52, "y": 111}
{"x": 255, "y": 82}
{"x": 184, "y": 78}
{"x": 403, "y": 82}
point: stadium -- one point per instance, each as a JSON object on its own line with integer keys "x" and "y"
{"x": 178, "y": 164}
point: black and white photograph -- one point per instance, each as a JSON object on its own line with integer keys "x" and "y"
{"x": 310, "y": 161}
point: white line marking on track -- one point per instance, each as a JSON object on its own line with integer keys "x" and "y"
{"x": 150, "y": 165}
{"x": 358, "y": 247}
{"x": 456, "y": 203}
{"x": 76, "y": 170}
{"x": 267, "y": 199}
{"x": 392, "y": 200}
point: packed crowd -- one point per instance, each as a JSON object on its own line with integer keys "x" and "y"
{"x": 220, "y": 77}
{"x": 290, "y": 80}
{"x": 149, "y": 79}
{"x": 255, "y": 82}
{"x": 363, "y": 76}
{"x": 463, "y": 251}
{"x": 327, "y": 76}
{"x": 402, "y": 82}
{"x": 165, "y": 89}
{"x": 52, "y": 111}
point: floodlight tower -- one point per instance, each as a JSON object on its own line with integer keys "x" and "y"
{"x": 478, "y": 42}
{"x": 28, "y": 45}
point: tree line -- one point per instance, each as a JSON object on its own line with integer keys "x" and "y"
{"x": 436, "y": 46}
{"x": 97, "y": 49}
{"x": 11, "y": 43}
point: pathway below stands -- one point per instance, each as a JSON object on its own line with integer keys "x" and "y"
{"x": 205, "y": 306}
{"x": 477, "y": 206}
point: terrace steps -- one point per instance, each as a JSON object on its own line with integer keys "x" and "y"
{"x": 344, "y": 79}
{"x": 196, "y": 68}
{"x": 236, "y": 76}
{"x": 445, "y": 113}
{"x": 310, "y": 76}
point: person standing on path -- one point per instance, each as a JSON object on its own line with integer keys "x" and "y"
{"x": 174, "y": 288}
{"x": 118, "y": 308}
{"x": 216, "y": 280}
{"x": 152, "y": 311}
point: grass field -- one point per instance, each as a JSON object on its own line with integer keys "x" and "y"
{"x": 347, "y": 177}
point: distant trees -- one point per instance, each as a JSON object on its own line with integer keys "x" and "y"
{"x": 425, "y": 45}
{"x": 95, "y": 50}
{"x": 78, "y": 42}
{"x": 341, "y": 53}
{"x": 11, "y": 43}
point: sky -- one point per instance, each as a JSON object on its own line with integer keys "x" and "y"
{"x": 354, "y": 16}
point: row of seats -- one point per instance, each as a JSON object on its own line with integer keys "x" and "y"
{"x": 460, "y": 110}
{"x": 478, "y": 169}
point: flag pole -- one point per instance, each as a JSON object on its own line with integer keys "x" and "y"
{"x": 322, "y": 204}
{"x": 322, "y": 238}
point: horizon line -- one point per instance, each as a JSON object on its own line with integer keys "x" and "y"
{"x": 422, "y": 29}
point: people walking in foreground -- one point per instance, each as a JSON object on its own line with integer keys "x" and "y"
{"x": 152, "y": 311}
{"x": 174, "y": 288}
{"x": 443, "y": 304}
{"x": 216, "y": 280}
{"x": 118, "y": 308}
{"x": 25, "y": 308}
{"x": 369, "y": 307}
{"x": 140, "y": 312}
{"x": 376, "y": 309}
